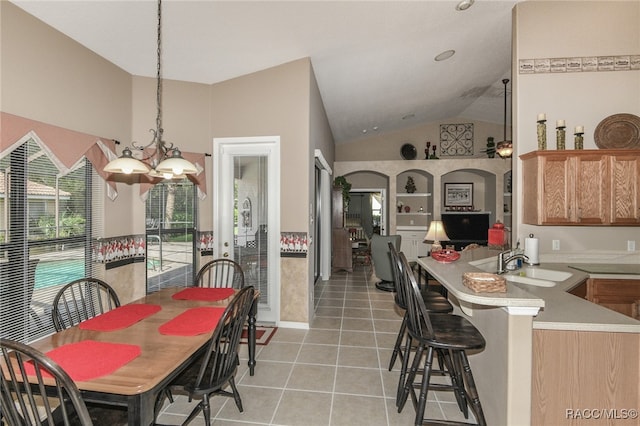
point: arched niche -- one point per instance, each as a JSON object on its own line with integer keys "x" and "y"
{"x": 485, "y": 196}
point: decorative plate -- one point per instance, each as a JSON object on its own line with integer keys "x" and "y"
{"x": 618, "y": 131}
{"x": 408, "y": 151}
{"x": 445, "y": 256}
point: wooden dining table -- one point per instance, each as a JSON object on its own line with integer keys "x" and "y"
{"x": 137, "y": 384}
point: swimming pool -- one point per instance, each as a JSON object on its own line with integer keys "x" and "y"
{"x": 56, "y": 272}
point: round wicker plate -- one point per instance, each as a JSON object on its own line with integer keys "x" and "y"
{"x": 618, "y": 131}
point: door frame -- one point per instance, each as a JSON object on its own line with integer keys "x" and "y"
{"x": 383, "y": 208}
{"x": 258, "y": 145}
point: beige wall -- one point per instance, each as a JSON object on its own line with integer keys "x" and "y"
{"x": 551, "y": 29}
{"x": 278, "y": 102}
{"x": 48, "y": 77}
{"x": 386, "y": 146}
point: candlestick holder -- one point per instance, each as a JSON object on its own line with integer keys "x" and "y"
{"x": 542, "y": 135}
{"x": 579, "y": 140}
{"x": 560, "y": 137}
{"x": 434, "y": 156}
{"x": 426, "y": 151}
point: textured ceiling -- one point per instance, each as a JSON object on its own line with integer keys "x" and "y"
{"x": 374, "y": 61}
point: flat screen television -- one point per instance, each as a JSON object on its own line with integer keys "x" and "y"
{"x": 466, "y": 228}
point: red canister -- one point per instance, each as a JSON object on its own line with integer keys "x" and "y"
{"x": 497, "y": 235}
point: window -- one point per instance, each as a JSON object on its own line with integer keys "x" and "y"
{"x": 46, "y": 229}
{"x": 171, "y": 224}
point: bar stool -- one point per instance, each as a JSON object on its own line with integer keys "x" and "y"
{"x": 449, "y": 335}
{"x": 433, "y": 301}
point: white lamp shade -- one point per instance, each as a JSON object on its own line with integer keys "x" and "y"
{"x": 176, "y": 165}
{"x": 436, "y": 232}
{"x": 126, "y": 164}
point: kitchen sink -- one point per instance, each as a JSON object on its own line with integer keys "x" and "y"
{"x": 531, "y": 275}
{"x": 528, "y": 280}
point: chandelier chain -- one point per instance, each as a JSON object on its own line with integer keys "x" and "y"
{"x": 158, "y": 135}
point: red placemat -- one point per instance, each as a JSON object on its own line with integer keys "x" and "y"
{"x": 192, "y": 322}
{"x": 89, "y": 359}
{"x": 119, "y": 318}
{"x": 204, "y": 294}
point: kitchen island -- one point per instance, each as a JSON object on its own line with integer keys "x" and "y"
{"x": 548, "y": 351}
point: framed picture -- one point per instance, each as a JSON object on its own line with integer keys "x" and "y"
{"x": 458, "y": 194}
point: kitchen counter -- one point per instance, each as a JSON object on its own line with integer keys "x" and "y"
{"x": 552, "y": 307}
{"x": 567, "y": 334}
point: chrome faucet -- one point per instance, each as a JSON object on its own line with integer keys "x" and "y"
{"x": 502, "y": 262}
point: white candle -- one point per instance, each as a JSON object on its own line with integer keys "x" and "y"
{"x": 560, "y": 123}
{"x": 579, "y": 129}
{"x": 542, "y": 116}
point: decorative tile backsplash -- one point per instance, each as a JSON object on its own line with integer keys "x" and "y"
{"x": 123, "y": 249}
{"x": 579, "y": 64}
{"x": 294, "y": 243}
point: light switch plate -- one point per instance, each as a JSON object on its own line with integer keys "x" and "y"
{"x": 555, "y": 244}
{"x": 631, "y": 245}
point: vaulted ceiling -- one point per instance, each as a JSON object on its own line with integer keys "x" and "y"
{"x": 373, "y": 60}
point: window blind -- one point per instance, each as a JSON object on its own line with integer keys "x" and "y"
{"x": 48, "y": 221}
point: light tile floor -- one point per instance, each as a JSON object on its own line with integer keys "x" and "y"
{"x": 335, "y": 373}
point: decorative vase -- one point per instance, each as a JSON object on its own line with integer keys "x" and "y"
{"x": 560, "y": 136}
{"x": 542, "y": 135}
{"x": 407, "y": 209}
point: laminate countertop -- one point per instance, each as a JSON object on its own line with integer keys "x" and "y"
{"x": 556, "y": 308}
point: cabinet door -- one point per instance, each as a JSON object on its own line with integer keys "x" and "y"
{"x": 619, "y": 295}
{"x": 591, "y": 189}
{"x": 408, "y": 246}
{"x": 557, "y": 190}
{"x": 625, "y": 184}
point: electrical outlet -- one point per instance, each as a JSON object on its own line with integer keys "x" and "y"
{"x": 555, "y": 244}
{"x": 631, "y": 245}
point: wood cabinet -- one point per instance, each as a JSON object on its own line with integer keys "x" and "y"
{"x": 583, "y": 370}
{"x": 586, "y": 187}
{"x": 625, "y": 188}
{"x": 616, "y": 294}
{"x": 341, "y": 256}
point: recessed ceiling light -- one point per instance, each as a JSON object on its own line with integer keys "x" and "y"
{"x": 445, "y": 55}
{"x": 408, "y": 116}
{"x": 464, "y": 5}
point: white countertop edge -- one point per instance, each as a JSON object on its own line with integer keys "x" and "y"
{"x": 614, "y": 276}
{"x": 572, "y": 326}
{"x": 521, "y": 310}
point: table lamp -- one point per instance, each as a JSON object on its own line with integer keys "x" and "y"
{"x": 435, "y": 234}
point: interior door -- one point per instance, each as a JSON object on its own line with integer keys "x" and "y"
{"x": 247, "y": 214}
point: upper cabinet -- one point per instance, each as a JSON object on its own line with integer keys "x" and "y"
{"x": 588, "y": 187}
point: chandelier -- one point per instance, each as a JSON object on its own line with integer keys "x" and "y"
{"x": 164, "y": 160}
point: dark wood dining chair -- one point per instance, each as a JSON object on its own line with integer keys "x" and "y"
{"x": 451, "y": 336}
{"x": 216, "y": 368}
{"x": 434, "y": 302}
{"x": 220, "y": 273}
{"x": 81, "y": 300}
{"x": 51, "y": 397}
